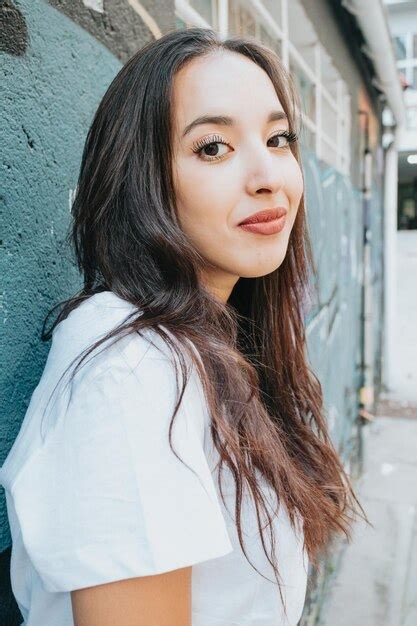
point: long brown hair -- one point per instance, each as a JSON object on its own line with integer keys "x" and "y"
{"x": 265, "y": 403}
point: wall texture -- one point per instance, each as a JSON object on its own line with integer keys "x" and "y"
{"x": 335, "y": 322}
{"x": 57, "y": 59}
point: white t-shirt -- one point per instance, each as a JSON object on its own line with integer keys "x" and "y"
{"x": 94, "y": 493}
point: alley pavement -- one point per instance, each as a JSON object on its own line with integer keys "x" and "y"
{"x": 376, "y": 584}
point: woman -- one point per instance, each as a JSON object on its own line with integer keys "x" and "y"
{"x": 135, "y": 498}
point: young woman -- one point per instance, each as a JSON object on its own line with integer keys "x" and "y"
{"x": 174, "y": 467}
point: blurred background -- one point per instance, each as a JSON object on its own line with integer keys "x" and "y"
{"x": 355, "y": 65}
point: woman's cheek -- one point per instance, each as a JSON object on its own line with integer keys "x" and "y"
{"x": 208, "y": 200}
{"x": 297, "y": 184}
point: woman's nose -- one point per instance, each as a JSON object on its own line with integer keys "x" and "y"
{"x": 265, "y": 172}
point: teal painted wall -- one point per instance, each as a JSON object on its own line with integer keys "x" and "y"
{"x": 335, "y": 219}
{"x": 48, "y": 103}
{"x": 56, "y": 60}
{"x": 334, "y": 321}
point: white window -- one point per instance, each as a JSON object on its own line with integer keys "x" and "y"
{"x": 283, "y": 26}
{"x": 405, "y": 46}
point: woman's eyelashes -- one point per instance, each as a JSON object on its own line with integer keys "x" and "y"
{"x": 210, "y": 143}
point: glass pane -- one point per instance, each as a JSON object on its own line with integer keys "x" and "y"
{"x": 308, "y": 138}
{"x": 412, "y": 117}
{"x": 400, "y": 47}
{"x": 274, "y": 8}
{"x": 306, "y": 89}
{"x": 329, "y": 120}
{"x": 415, "y": 46}
{"x": 329, "y": 74}
{"x": 269, "y": 40}
{"x": 414, "y": 83}
{"x": 241, "y": 19}
{"x": 179, "y": 22}
{"x": 205, "y": 8}
{"x": 328, "y": 154}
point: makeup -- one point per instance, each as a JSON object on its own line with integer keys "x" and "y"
{"x": 265, "y": 222}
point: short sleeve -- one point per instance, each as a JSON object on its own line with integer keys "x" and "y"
{"x": 105, "y": 498}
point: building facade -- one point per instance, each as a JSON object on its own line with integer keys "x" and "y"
{"x": 63, "y": 54}
{"x": 402, "y": 17}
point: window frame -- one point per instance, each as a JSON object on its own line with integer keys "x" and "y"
{"x": 340, "y": 104}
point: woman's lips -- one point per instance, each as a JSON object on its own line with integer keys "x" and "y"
{"x": 265, "y": 228}
{"x": 265, "y": 222}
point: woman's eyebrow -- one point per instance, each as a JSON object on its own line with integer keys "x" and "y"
{"x": 225, "y": 120}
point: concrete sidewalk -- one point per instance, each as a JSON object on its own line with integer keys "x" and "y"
{"x": 376, "y": 584}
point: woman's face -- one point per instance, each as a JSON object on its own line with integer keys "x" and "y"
{"x": 242, "y": 168}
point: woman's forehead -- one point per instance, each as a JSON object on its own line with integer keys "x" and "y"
{"x": 223, "y": 83}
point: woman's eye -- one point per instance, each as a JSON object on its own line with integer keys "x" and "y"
{"x": 213, "y": 149}
{"x": 209, "y": 149}
{"x": 283, "y": 138}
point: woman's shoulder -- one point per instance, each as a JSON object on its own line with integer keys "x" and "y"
{"x": 134, "y": 373}
{"x": 93, "y": 320}
{"x": 119, "y": 361}
{"x": 133, "y": 496}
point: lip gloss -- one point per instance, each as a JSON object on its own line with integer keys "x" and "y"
{"x": 265, "y": 228}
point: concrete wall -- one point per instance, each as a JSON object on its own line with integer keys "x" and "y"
{"x": 338, "y": 341}
{"x": 57, "y": 60}
{"x": 335, "y": 36}
{"x": 335, "y": 329}
{"x": 338, "y": 34}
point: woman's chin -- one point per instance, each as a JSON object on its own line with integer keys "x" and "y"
{"x": 250, "y": 273}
